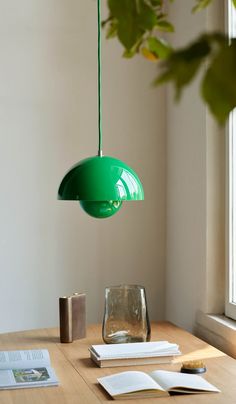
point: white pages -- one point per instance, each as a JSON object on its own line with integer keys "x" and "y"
{"x": 128, "y": 382}
{"x": 136, "y": 350}
{"x": 29, "y": 368}
{"x": 158, "y": 383}
{"x": 182, "y": 382}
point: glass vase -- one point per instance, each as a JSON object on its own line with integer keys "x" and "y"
{"x": 126, "y": 315}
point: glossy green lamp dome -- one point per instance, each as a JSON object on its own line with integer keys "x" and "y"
{"x": 100, "y": 183}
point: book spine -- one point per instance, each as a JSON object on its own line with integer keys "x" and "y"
{"x": 78, "y": 316}
{"x": 65, "y": 314}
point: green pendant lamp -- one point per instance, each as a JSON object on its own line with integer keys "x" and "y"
{"x": 100, "y": 183}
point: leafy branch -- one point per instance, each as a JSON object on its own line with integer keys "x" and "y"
{"x": 134, "y": 22}
{"x": 218, "y": 85}
{"x": 139, "y": 26}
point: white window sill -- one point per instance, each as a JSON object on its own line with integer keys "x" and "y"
{"x": 217, "y": 330}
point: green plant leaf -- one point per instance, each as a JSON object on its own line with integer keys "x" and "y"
{"x": 165, "y": 26}
{"x": 156, "y": 3}
{"x": 149, "y": 55}
{"x": 219, "y": 84}
{"x": 182, "y": 65}
{"x": 132, "y": 21}
{"x": 121, "y": 8}
{"x": 161, "y": 16}
{"x": 159, "y": 47}
{"x": 133, "y": 18}
{"x": 200, "y": 5}
{"x": 112, "y": 29}
{"x": 128, "y": 32}
{"x": 128, "y": 54}
{"x": 146, "y": 17}
{"x": 106, "y": 21}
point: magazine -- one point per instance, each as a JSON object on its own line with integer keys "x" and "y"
{"x": 26, "y": 369}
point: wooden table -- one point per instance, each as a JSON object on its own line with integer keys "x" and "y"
{"x": 78, "y": 375}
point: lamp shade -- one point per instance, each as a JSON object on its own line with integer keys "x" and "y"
{"x": 101, "y": 178}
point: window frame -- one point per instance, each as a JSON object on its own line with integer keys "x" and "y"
{"x": 230, "y": 306}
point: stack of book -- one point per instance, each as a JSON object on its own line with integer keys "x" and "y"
{"x": 139, "y": 353}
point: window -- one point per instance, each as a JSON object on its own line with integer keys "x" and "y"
{"x": 230, "y": 309}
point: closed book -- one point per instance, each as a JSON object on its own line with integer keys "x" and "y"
{"x": 72, "y": 312}
{"x": 65, "y": 312}
{"x": 109, "y": 363}
{"x": 145, "y": 353}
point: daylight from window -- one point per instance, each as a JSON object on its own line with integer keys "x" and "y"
{"x": 231, "y": 304}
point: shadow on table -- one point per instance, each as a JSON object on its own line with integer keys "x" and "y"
{"x": 103, "y": 392}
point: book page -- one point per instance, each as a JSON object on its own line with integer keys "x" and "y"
{"x": 24, "y": 359}
{"x": 128, "y": 382}
{"x": 171, "y": 380}
{"x": 23, "y": 378}
{"x": 135, "y": 350}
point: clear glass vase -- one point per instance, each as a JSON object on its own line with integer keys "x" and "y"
{"x": 126, "y": 315}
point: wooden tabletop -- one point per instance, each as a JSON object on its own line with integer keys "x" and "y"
{"x": 78, "y": 375}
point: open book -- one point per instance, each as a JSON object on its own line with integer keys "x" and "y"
{"x": 22, "y": 369}
{"x": 160, "y": 383}
{"x": 128, "y": 354}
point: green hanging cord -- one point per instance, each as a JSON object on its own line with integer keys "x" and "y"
{"x": 99, "y": 80}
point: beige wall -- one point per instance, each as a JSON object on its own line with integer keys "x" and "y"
{"x": 195, "y": 190}
{"x": 48, "y": 116}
